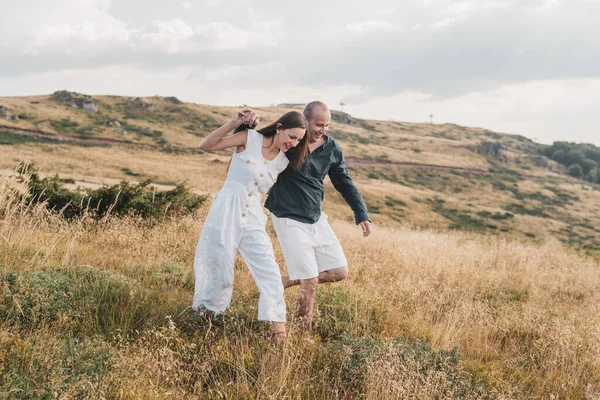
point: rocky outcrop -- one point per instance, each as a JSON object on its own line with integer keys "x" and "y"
{"x": 3, "y": 113}
{"x": 492, "y": 149}
{"x": 64, "y": 96}
{"x": 141, "y": 103}
{"x": 14, "y": 117}
{"x": 173, "y": 99}
{"x": 89, "y": 106}
{"x": 342, "y": 117}
{"x": 75, "y": 100}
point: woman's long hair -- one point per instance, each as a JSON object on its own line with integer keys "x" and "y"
{"x": 290, "y": 120}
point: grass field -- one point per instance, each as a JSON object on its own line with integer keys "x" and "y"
{"x": 481, "y": 279}
{"x": 86, "y": 305}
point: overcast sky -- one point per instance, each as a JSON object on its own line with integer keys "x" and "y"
{"x": 530, "y": 67}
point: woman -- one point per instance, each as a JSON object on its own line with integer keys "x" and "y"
{"x": 236, "y": 220}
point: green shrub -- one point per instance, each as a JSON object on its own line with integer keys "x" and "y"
{"x": 576, "y": 171}
{"x": 82, "y": 300}
{"x": 122, "y": 199}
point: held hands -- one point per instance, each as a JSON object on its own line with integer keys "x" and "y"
{"x": 245, "y": 116}
{"x": 366, "y": 228}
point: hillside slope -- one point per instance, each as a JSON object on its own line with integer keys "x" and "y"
{"x": 440, "y": 176}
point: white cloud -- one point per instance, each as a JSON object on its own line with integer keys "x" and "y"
{"x": 548, "y": 111}
{"x": 460, "y": 55}
{"x": 368, "y": 26}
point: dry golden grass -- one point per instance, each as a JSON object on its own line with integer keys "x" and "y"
{"x": 523, "y": 317}
{"x": 83, "y": 305}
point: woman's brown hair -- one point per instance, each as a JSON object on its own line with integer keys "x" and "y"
{"x": 290, "y": 120}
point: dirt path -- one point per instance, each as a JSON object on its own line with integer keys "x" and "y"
{"x": 125, "y": 143}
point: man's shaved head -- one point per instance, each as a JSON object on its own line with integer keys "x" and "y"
{"x": 314, "y": 106}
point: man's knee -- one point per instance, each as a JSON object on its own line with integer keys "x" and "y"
{"x": 333, "y": 275}
{"x": 341, "y": 273}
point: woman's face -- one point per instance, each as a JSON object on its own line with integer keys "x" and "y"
{"x": 289, "y": 138}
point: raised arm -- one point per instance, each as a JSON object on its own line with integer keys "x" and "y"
{"x": 217, "y": 139}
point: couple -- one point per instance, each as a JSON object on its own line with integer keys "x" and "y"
{"x": 297, "y": 149}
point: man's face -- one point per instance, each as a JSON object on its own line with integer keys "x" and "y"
{"x": 319, "y": 124}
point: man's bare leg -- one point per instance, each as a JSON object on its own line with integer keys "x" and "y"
{"x": 333, "y": 275}
{"x": 305, "y": 302}
{"x": 330, "y": 276}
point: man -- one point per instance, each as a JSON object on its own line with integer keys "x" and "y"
{"x": 312, "y": 251}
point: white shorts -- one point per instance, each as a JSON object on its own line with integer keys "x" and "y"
{"x": 308, "y": 249}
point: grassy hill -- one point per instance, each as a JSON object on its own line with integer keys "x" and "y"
{"x": 473, "y": 284}
{"x": 441, "y": 176}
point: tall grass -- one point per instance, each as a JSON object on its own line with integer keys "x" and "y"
{"x": 96, "y": 309}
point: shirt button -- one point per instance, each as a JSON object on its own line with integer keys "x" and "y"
{"x": 265, "y": 162}
{"x": 246, "y": 205}
{"x": 255, "y": 183}
{"x": 262, "y": 175}
{"x": 247, "y": 161}
{"x": 244, "y": 214}
{"x": 249, "y": 194}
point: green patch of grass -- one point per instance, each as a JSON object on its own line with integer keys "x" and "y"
{"x": 460, "y": 219}
{"x": 340, "y": 313}
{"x": 47, "y": 365}
{"x": 348, "y": 137}
{"x": 392, "y": 202}
{"x": 129, "y": 172}
{"x": 64, "y": 125}
{"x": 522, "y": 209}
{"x": 82, "y": 300}
{"x": 11, "y": 138}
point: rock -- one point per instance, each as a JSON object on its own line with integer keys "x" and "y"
{"x": 74, "y": 105}
{"x": 117, "y": 124}
{"x": 90, "y": 106}
{"x": 3, "y": 113}
{"x": 173, "y": 99}
{"x": 539, "y": 160}
{"x": 120, "y": 131}
{"x": 65, "y": 96}
{"x": 139, "y": 102}
{"x": 38, "y": 125}
{"x": 14, "y": 117}
{"x": 343, "y": 118}
{"x": 494, "y": 149}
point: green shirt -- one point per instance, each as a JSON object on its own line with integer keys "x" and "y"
{"x": 298, "y": 194}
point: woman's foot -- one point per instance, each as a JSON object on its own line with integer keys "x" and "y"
{"x": 278, "y": 332}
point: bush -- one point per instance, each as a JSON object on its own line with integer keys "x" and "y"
{"x": 588, "y": 165}
{"x": 123, "y": 199}
{"x": 576, "y": 171}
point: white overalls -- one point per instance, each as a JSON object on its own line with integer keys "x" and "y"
{"x": 236, "y": 221}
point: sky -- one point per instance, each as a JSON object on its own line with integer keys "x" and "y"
{"x": 528, "y": 67}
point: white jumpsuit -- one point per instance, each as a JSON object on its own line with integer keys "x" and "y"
{"x": 236, "y": 221}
